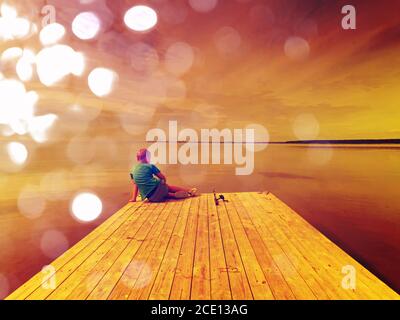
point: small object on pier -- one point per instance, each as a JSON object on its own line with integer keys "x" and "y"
{"x": 220, "y": 197}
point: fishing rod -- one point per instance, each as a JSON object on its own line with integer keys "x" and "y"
{"x": 221, "y": 197}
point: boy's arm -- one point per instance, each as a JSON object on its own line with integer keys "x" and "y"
{"x": 134, "y": 192}
{"x": 161, "y": 177}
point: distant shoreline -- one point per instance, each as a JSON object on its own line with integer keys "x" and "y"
{"x": 347, "y": 141}
{"x": 344, "y": 141}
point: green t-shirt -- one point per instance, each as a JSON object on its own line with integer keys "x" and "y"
{"x": 143, "y": 175}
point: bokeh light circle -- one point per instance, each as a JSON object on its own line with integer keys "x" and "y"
{"x": 13, "y": 157}
{"x": 24, "y": 70}
{"x": 203, "y": 5}
{"x": 31, "y": 202}
{"x": 18, "y": 152}
{"x": 297, "y": 48}
{"x": 261, "y": 137}
{"x": 12, "y": 97}
{"x": 11, "y": 53}
{"x": 261, "y": 16}
{"x": 17, "y": 107}
{"x": 20, "y": 27}
{"x": 49, "y": 68}
{"x": 179, "y": 58}
{"x": 39, "y": 127}
{"x": 176, "y": 89}
{"x": 86, "y": 207}
{"x": 29, "y": 56}
{"x": 101, "y": 81}
{"x": 8, "y": 11}
{"x": 80, "y": 150}
{"x": 51, "y": 34}
{"x": 174, "y": 12}
{"x": 56, "y": 185}
{"x": 4, "y": 286}
{"x": 227, "y": 40}
{"x": 137, "y": 275}
{"x": 86, "y": 25}
{"x": 143, "y": 57}
{"x": 140, "y": 18}
{"x": 306, "y": 127}
{"x": 53, "y": 243}
{"x": 320, "y": 155}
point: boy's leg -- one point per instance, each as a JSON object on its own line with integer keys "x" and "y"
{"x": 179, "y": 193}
{"x": 171, "y": 195}
{"x": 173, "y": 189}
{"x": 175, "y": 192}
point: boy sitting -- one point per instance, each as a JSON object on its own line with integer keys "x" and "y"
{"x": 151, "y": 183}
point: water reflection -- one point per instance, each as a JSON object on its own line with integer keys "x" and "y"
{"x": 352, "y": 198}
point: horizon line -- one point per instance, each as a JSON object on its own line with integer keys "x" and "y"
{"x": 324, "y": 141}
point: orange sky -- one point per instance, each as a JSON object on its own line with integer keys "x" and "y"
{"x": 347, "y": 84}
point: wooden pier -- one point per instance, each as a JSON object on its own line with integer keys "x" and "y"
{"x": 252, "y": 247}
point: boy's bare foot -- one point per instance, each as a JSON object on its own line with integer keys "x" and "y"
{"x": 193, "y": 192}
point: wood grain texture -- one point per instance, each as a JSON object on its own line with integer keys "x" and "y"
{"x": 251, "y": 247}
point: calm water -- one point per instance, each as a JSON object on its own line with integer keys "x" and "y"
{"x": 351, "y": 194}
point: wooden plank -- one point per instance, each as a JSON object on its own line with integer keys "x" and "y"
{"x": 316, "y": 255}
{"x": 85, "y": 286}
{"x": 370, "y": 284}
{"x": 104, "y": 288}
{"x": 296, "y": 282}
{"x": 320, "y": 286}
{"x": 320, "y": 283}
{"x": 239, "y": 282}
{"x": 201, "y": 265}
{"x": 219, "y": 282}
{"x": 64, "y": 272}
{"x": 279, "y": 287}
{"x": 324, "y": 259}
{"x": 81, "y": 271}
{"x": 161, "y": 288}
{"x": 137, "y": 270}
{"x": 141, "y": 291}
{"x": 255, "y": 275}
{"x": 108, "y": 226}
{"x": 184, "y": 270}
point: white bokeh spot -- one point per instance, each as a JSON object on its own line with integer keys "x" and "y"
{"x": 86, "y": 25}
{"x": 140, "y": 18}
{"x": 86, "y": 207}
{"x": 101, "y": 81}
